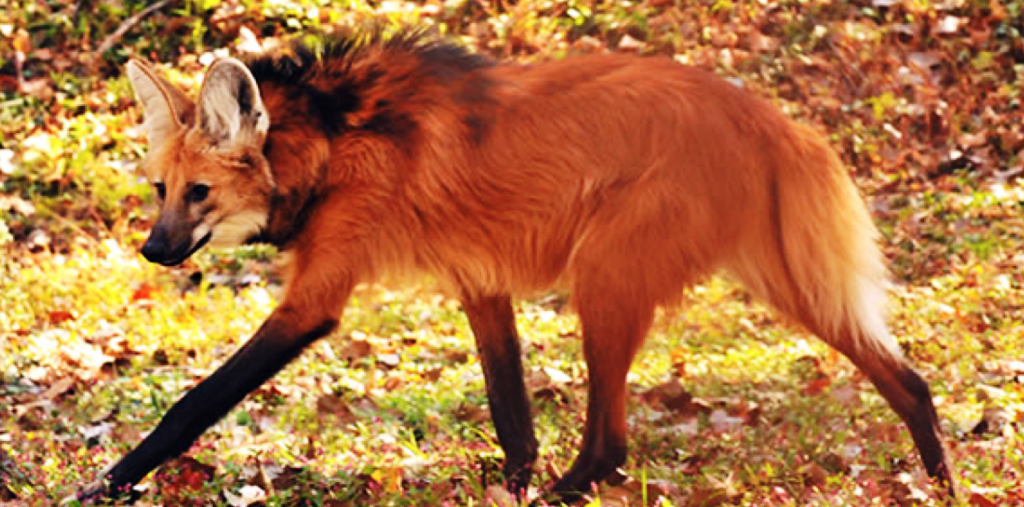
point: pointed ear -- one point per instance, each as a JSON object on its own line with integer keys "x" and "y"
{"x": 166, "y": 108}
{"x": 231, "y": 111}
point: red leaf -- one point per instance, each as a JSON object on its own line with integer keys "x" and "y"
{"x": 180, "y": 481}
{"x": 980, "y": 501}
{"x": 58, "y": 316}
{"x": 143, "y": 293}
{"x": 817, "y": 385}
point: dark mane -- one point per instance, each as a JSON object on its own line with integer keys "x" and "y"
{"x": 320, "y": 71}
{"x": 296, "y": 61}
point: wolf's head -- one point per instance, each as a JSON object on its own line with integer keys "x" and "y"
{"x": 205, "y": 160}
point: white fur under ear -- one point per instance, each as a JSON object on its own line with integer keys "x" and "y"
{"x": 230, "y": 109}
{"x": 165, "y": 107}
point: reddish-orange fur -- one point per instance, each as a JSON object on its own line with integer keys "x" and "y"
{"x": 622, "y": 179}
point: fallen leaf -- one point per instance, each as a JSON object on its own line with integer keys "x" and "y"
{"x": 948, "y": 25}
{"x": 721, "y": 421}
{"x": 972, "y": 140}
{"x": 96, "y": 430}
{"x": 13, "y": 202}
{"x": 180, "y": 480}
{"x": 56, "y": 317}
{"x": 817, "y": 386}
{"x": 497, "y": 496}
{"x": 38, "y": 88}
{"x": 761, "y": 43}
{"x": 924, "y": 60}
{"x": 389, "y": 360}
{"x": 468, "y": 412}
{"x": 281, "y": 478}
{"x": 673, "y": 396}
{"x": 355, "y": 349}
{"x": 627, "y": 43}
{"x": 143, "y": 293}
{"x": 557, "y": 376}
{"x": 553, "y": 394}
{"x": 58, "y": 388}
{"x": 433, "y": 374}
{"x": 1014, "y": 367}
{"x": 390, "y": 478}
{"x": 615, "y": 496}
{"x": 993, "y": 420}
{"x": 706, "y": 497}
{"x": 38, "y": 240}
{"x": 979, "y": 500}
{"x": 847, "y": 395}
{"x": 247, "y": 495}
{"x": 813, "y": 474}
{"x": 989, "y": 393}
{"x": 330, "y": 404}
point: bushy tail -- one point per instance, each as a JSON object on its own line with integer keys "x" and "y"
{"x": 817, "y": 259}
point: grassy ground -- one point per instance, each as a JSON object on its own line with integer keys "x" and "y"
{"x": 922, "y": 99}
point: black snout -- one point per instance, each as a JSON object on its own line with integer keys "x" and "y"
{"x": 168, "y": 249}
{"x": 155, "y": 248}
{"x": 161, "y": 249}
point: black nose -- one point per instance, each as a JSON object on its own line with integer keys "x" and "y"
{"x": 155, "y": 248}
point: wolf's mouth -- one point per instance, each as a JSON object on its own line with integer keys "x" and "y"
{"x": 198, "y": 244}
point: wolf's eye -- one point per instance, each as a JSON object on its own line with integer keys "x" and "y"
{"x": 161, "y": 190}
{"x": 198, "y": 192}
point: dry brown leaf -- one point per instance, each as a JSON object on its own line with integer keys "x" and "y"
{"x": 58, "y": 388}
{"x": 283, "y": 479}
{"x": 330, "y": 404}
{"x": 355, "y": 349}
{"x": 467, "y": 412}
{"x": 553, "y": 394}
{"x": 814, "y": 474}
{"x": 433, "y": 374}
{"x": 616, "y": 496}
{"x": 673, "y": 396}
{"x": 706, "y": 497}
{"x": 393, "y": 382}
{"x": 761, "y": 43}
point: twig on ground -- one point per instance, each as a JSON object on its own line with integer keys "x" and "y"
{"x": 126, "y": 25}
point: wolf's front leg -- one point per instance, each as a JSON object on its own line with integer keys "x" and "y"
{"x": 494, "y": 328}
{"x": 279, "y": 340}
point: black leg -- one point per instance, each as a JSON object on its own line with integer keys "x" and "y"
{"x": 277, "y": 342}
{"x": 493, "y": 322}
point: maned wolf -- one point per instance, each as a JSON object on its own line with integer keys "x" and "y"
{"x": 622, "y": 179}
